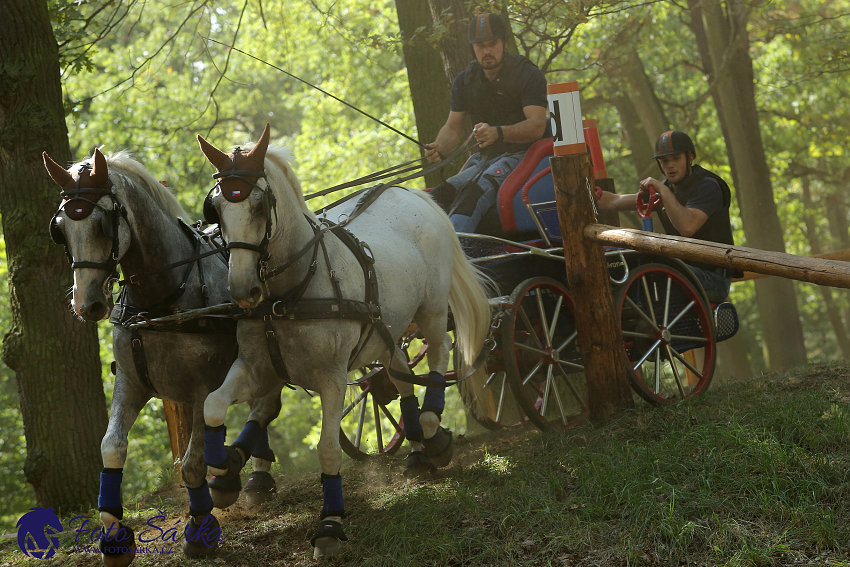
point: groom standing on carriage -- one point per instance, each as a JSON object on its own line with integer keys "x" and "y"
{"x": 504, "y": 95}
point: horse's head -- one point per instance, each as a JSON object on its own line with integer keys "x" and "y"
{"x": 244, "y": 215}
{"x": 90, "y": 224}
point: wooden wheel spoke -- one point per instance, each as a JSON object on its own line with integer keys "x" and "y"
{"x": 542, "y": 312}
{"x": 529, "y": 326}
{"x": 685, "y": 362}
{"x": 532, "y": 372}
{"x": 531, "y": 349}
{"x": 701, "y": 340}
{"x": 390, "y": 417}
{"x": 578, "y": 398}
{"x": 355, "y": 401}
{"x": 642, "y": 314}
{"x": 676, "y": 372}
{"x": 646, "y": 355}
{"x": 681, "y": 313}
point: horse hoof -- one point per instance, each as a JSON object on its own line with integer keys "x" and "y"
{"x": 260, "y": 489}
{"x": 222, "y": 500}
{"x": 225, "y": 488}
{"x": 440, "y": 447}
{"x": 120, "y": 560}
{"x": 418, "y": 465}
{"x": 201, "y": 537}
{"x": 326, "y": 540}
{"x": 115, "y": 552}
{"x": 326, "y": 546}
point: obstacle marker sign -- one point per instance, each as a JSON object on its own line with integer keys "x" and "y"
{"x": 565, "y": 112}
{"x": 38, "y": 531}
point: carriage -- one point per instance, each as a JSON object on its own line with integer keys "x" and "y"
{"x": 534, "y": 371}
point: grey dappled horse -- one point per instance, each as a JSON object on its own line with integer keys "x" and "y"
{"x": 319, "y": 314}
{"x": 114, "y": 211}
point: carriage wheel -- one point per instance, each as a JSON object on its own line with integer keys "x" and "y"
{"x": 668, "y": 334}
{"x": 488, "y": 397}
{"x": 542, "y": 357}
{"x": 371, "y": 422}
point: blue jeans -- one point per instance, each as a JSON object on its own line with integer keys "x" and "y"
{"x": 715, "y": 285}
{"x": 477, "y": 190}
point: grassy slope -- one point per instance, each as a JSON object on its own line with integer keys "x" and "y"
{"x": 753, "y": 473}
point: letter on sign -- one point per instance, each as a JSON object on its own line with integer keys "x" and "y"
{"x": 565, "y": 112}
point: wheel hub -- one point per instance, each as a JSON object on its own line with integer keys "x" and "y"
{"x": 551, "y": 356}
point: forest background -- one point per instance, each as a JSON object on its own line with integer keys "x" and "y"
{"x": 140, "y": 75}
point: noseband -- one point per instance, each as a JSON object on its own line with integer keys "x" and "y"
{"x": 236, "y": 196}
{"x": 78, "y": 207}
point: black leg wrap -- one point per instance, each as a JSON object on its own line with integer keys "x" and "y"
{"x": 328, "y": 528}
{"x": 117, "y": 512}
{"x": 201, "y": 536}
{"x": 267, "y": 455}
{"x": 225, "y": 488}
{"x": 118, "y": 546}
{"x": 440, "y": 447}
{"x": 341, "y": 513}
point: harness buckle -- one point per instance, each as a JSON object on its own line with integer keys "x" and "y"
{"x": 274, "y": 309}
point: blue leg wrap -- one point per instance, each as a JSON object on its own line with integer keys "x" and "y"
{"x": 110, "y": 490}
{"x": 410, "y": 415}
{"x": 435, "y": 398}
{"x": 250, "y": 437}
{"x": 214, "y": 452}
{"x": 200, "y": 501}
{"x": 333, "y": 504}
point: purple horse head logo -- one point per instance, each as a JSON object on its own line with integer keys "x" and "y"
{"x": 37, "y": 531}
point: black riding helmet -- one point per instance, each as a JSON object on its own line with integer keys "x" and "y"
{"x": 486, "y": 27}
{"x": 673, "y": 142}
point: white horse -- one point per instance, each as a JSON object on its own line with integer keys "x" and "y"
{"x": 113, "y": 211}
{"x": 420, "y": 271}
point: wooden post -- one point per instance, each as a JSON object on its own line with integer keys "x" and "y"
{"x": 178, "y": 417}
{"x": 587, "y": 279}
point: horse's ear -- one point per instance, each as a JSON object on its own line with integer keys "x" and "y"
{"x": 100, "y": 171}
{"x": 215, "y": 156}
{"x": 56, "y": 171}
{"x": 258, "y": 152}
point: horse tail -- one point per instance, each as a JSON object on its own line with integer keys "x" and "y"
{"x": 468, "y": 297}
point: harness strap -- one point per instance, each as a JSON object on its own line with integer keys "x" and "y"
{"x": 140, "y": 361}
{"x": 319, "y": 233}
{"x": 275, "y": 355}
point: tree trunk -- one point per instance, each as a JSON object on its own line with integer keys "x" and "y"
{"x": 454, "y": 46}
{"x": 832, "y": 311}
{"x": 54, "y": 355}
{"x": 728, "y": 47}
{"x": 430, "y": 89}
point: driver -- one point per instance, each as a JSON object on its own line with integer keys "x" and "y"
{"x": 695, "y": 204}
{"x": 504, "y": 95}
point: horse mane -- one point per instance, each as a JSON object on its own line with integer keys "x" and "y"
{"x": 282, "y": 175}
{"x": 124, "y": 163}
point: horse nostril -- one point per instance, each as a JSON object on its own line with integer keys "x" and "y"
{"x": 97, "y": 311}
{"x": 256, "y": 294}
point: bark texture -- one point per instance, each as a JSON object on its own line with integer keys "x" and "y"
{"x": 725, "y": 28}
{"x": 587, "y": 277}
{"x": 430, "y": 88}
{"x": 55, "y": 356}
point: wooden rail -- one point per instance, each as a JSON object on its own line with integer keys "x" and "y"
{"x": 821, "y": 271}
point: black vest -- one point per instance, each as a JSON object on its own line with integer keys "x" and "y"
{"x": 717, "y": 228}
{"x": 497, "y": 102}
